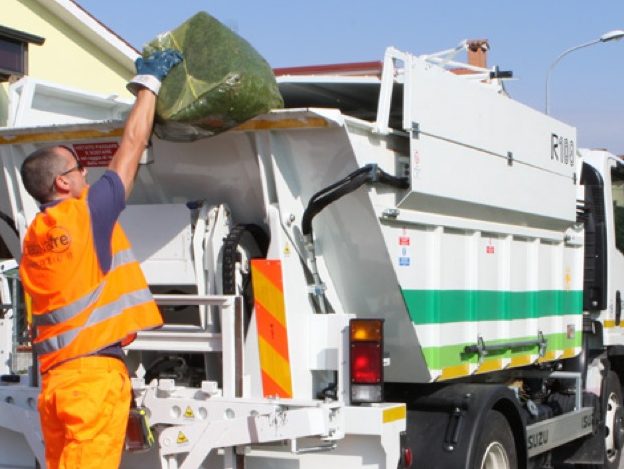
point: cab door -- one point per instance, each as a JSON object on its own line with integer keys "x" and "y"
{"x": 614, "y": 208}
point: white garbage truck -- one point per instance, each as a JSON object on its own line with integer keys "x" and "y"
{"x": 404, "y": 267}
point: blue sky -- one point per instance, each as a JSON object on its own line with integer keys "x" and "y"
{"x": 526, "y": 36}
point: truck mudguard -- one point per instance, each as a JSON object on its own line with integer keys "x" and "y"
{"x": 444, "y": 423}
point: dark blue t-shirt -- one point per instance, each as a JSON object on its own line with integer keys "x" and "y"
{"x": 106, "y": 199}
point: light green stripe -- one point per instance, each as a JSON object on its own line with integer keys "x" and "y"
{"x": 444, "y": 306}
{"x": 452, "y": 355}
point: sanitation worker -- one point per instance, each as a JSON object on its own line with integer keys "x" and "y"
{"x": 89, "y": 295}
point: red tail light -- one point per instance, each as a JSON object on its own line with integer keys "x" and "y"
{"x": 408, "y": 458}
{"x": 366, "y": 360}
{"x": 366, "y": 363}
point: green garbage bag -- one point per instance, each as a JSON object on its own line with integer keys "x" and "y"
{"x": 222, "y": 82}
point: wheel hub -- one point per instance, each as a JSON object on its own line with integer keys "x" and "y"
{"x": 495, "y": 457}
{"x": 618, "y": 427}
{"x": 614, "y": 436}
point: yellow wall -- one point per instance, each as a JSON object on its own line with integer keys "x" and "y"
{"x": 66, "y": 57}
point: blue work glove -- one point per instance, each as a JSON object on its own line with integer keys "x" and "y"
{"x": 151, "y": 71}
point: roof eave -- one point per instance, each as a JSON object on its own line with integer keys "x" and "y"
{"x": 86, "y": 24}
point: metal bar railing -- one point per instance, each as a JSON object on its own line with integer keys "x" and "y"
{"x": 231, "y": 315}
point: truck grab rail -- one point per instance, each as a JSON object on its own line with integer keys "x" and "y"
{"x": 232, "y": 340}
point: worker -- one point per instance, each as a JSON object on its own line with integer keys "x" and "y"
{"x": 89, "y": 295}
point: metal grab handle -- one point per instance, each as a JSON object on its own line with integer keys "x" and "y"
{"x": 483, "y": 350}
{"x": 618, "y": 308}
{"x": 294, "y": 448}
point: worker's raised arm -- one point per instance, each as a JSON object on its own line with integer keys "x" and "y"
{"x": 145, "y": 85}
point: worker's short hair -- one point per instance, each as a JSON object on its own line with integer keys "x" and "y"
{"x": 39, "y": 171}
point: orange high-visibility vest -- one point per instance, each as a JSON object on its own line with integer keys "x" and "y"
{"x": 77, "y": 309}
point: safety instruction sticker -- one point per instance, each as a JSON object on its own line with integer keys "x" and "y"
{"x": 416, "y": 164}
{"x": 404, "y": 242}
{"x": 95, "y": 154}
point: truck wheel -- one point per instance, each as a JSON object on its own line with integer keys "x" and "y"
{"x": 496, "y": 448}
{"x": 614, "y": 432}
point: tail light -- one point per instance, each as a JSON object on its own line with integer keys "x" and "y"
{"x": 366, "y": 360}
{"x": 407, "y": 457}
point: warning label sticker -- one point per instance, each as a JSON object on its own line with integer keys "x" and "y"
{"x": 188, "y": 413}
{"x": 181, "y": 438}
{"x": 95, "y": 155}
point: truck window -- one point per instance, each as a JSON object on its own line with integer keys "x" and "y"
{"x": 617, "y": 187}
{"x": 594, "y": 218}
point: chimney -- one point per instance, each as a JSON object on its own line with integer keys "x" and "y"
{"x": 477, "y": 52}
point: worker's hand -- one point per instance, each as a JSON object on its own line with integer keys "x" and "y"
{"x": 152, "y": 70}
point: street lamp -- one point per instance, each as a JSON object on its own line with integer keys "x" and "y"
{"x": 606, "y": 37}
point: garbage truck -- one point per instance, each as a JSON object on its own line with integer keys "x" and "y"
{"x": 404, "y": 267}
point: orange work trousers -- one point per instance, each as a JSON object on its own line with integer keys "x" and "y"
{"x": 84, "y": 405}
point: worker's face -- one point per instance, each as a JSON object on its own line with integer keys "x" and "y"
{"x": 73, "y": 179}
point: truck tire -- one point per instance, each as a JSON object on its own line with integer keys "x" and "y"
{"x": 496, "y": 448}
{"x": 613, "y": 421}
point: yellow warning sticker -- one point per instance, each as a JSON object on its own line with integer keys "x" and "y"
{"x": 567, "y": 278}
{"x": 182, "y": 438}
{"x": 188, "y": 413}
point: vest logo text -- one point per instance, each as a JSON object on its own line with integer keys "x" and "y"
{"x": 57, "y": 241}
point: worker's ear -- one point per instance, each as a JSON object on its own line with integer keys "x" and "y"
{"x": 61, "y": 185}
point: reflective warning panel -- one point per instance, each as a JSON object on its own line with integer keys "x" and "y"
{"x": 266, "y": 276}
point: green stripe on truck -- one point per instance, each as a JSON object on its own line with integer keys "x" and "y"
{"x": 445, "y": 306}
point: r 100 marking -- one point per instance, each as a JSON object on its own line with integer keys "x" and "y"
{"x": 562, "y": 149}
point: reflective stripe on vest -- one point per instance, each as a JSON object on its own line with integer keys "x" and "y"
{"x": 68, "y": 312}
{"x": 100, "y": 314}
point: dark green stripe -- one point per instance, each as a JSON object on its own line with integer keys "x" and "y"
{"x": 443, "y": 306}
{"x": 451, "y": 355}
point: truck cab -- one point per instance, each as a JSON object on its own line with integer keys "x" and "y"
{"x": 603, "y": 179}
